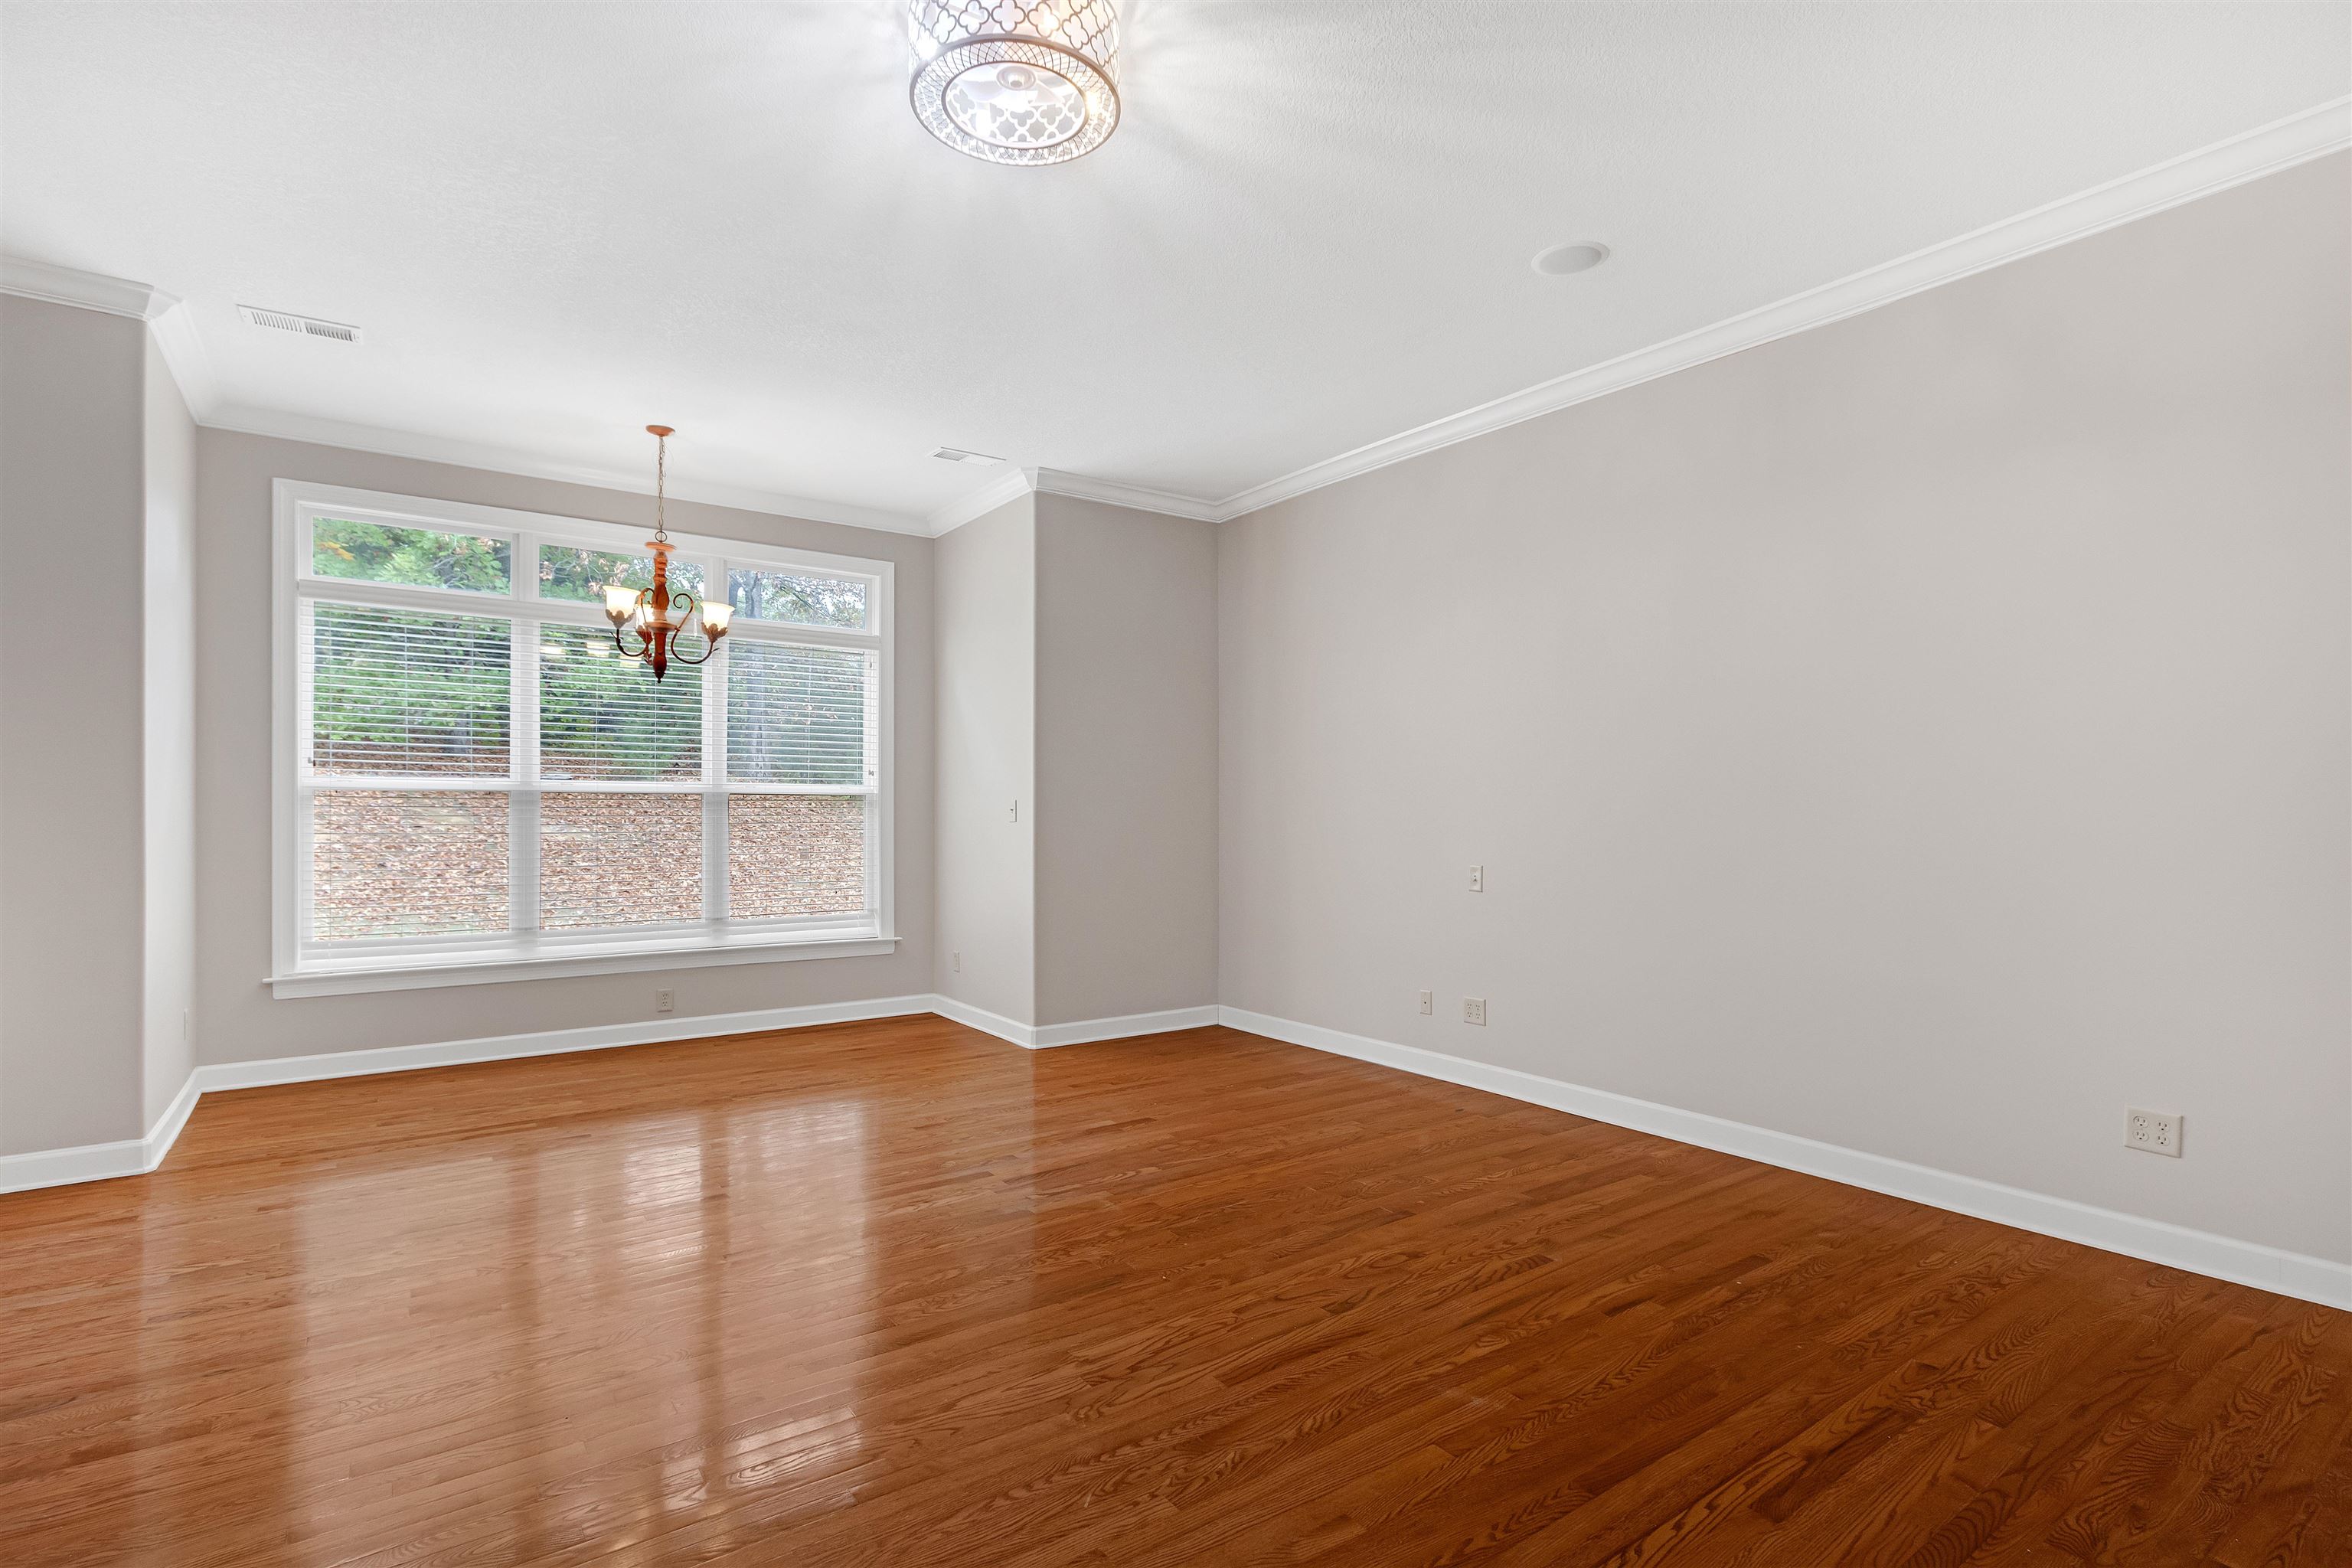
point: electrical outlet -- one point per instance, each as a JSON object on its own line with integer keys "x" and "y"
{"x": 664, "y": 1000}
{"x": 1428, "y": 1003}
{"x": 1478, "y": 878}
{"x": 1474, "y": 1010}
{"x": 956, "y": 960}
{"x": 2152, "y": 1132}
{"x": 1014, "y": 815}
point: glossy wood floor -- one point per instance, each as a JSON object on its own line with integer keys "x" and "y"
{"x": 897, "y": 1293}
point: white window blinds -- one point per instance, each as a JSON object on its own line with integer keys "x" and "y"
{"x": 395, "y": 694}
{"x": 800, "y": 716}
{"x": 601, "y": 715}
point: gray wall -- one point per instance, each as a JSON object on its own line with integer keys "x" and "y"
{"x": 237, "y": 1017}
{"x": 987, "y": 650}
{"x": 1926, "y": 735}
{"x": 168, "y": 678}
{"x": 1126, "y": 762}
{"x": 71, "y": 519}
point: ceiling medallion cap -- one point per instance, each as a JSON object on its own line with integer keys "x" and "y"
{"x": 1016, "y": 83}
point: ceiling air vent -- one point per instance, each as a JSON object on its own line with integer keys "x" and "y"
{"x": 285, "y": 321}
{"x": 957, "y": 454}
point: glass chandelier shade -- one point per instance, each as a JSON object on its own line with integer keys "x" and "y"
{"x": 1015, "y": 82}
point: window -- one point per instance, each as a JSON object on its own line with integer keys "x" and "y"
{"x": 474, "y": 784}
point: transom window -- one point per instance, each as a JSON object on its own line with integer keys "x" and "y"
{"x": 474, "y": 783}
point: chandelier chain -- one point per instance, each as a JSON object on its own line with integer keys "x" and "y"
{"x": 661, "y": 485}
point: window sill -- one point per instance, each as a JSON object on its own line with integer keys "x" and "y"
{"x": 448, "y": 969}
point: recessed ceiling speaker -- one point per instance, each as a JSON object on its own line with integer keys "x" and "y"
{"x": 1562, "y": 259}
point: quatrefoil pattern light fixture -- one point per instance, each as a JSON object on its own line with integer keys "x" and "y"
{"x": 1014, "y": 82}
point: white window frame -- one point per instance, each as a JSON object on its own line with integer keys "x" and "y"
{"x": 303, "y": 969}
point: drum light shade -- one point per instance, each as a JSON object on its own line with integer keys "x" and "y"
{"x": 1016, "y": 83}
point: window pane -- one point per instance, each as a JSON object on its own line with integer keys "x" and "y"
{"x": 797, "y": 715}
{"x": 378, "y": 553}
{"x": 601, "y": 715}
{"x": 568, "y": 573}
{"x": 395, "y": 692}
{"x": 619, "y": 859}
{"x": 407, "y": 863}
{"x": 804, "y": 600}
{"x": 795, "y": 855}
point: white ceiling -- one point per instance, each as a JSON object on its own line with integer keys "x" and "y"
{"x": 556, "y": 223}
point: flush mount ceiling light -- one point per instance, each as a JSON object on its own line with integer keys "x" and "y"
{"x": 1562, "y": 259}
{"x": 1014, "y": 82}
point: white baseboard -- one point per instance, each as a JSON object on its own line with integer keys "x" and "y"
{"x": 2201, "y": 1252}
{"x": 1122, "y": 1029}
{"x": 133, "y": 1156}
{"x": 986, "y": 1022}
{"x": 551, "y": 1042}
{"x": 2223, "y": 1257}
{"x": 82, "y": 1163}
{"x": 1037, "y": 1037}
{"x": 101, "y": 1161}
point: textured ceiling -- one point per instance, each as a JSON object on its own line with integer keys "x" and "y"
{"x": 558, "y": 222}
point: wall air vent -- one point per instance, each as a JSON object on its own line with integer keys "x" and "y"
{"x": 285, "y": 321}
{"x": 977, "y": 459}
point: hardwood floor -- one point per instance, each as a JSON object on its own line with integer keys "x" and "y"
{"x": 897, "y": 1293}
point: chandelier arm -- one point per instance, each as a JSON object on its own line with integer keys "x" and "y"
{"x": 709, "y": 646}
{"x": 645, "y": 644}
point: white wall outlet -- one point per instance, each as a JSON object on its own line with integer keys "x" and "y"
{"x": 1014, "y": 815}
{"x": 955, "y": 961}
{"x": 1428, "y": 1003}
{"x": 664, "y": 1000}
{"x": 2152, "y": 1132}
{"x": 1478, "y": 878}
{"x": 187, "y": 1024}
{"x": 1474, "y": 1010}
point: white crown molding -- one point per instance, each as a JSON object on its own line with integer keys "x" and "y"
{"x": 182, "y": 348}
{"x": 1018, "y": 482}
{"x": 1010, "y": 485}
{"x": 2201, "y": 1252}
{"x": 1053, "y": 481}
{"x": 2265, "y": 150}
{"x": 286, "y": 427}
{"x": 89, "y": 290}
